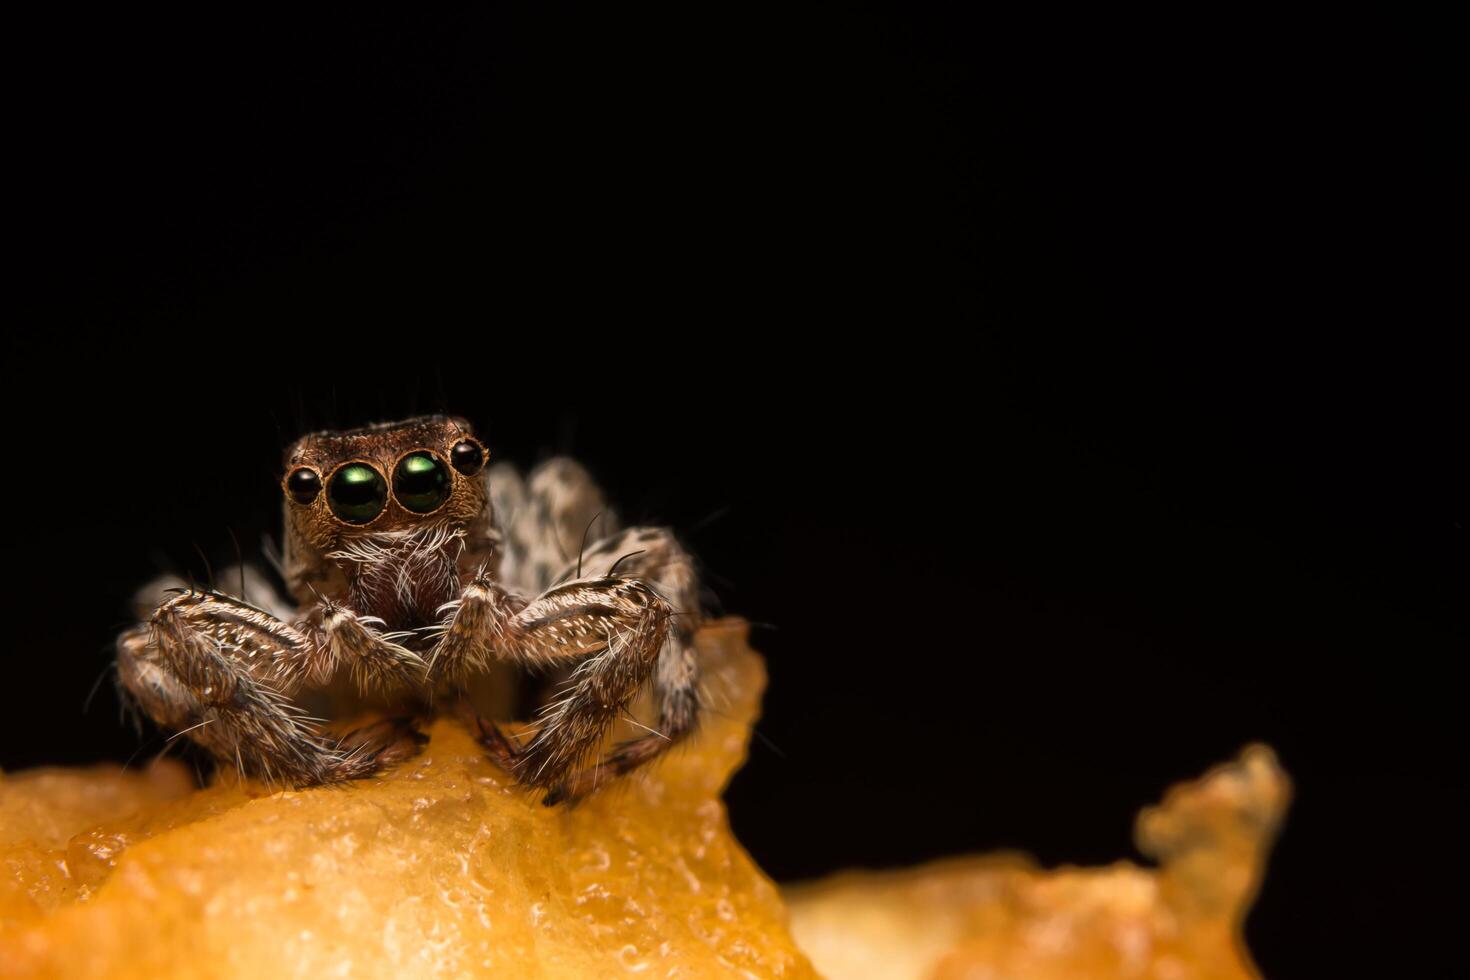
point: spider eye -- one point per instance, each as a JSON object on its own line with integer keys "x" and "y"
{"x": 420, "y": 482}
{"x": 467, "y": 457}
{"x": 358, "y": 493}
{"x": 303, "y": 485}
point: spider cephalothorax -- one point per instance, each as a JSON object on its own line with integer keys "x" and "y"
{"x": 388, "y": 509}
{"x": 415, "y": 567}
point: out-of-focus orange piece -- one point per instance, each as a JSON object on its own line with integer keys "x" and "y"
{"x": 1002, "y": 918}
{"x": 442, "y": 867}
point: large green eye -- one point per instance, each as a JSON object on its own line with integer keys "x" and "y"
{"x": 357, "y": 493}
{"x": 420, "y": 482}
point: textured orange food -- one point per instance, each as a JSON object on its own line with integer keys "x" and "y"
{"x": 995, "y": 917}
{"x": 441, "y": 867}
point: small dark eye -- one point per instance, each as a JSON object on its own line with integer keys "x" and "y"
{"x": 467, "y": 457}
{"x": 358, "y": 493}
{"x": 420, "y": 482}
{"x": 303, "y": 485}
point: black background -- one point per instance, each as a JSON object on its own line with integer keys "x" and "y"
{"x": 1063, "y": 397}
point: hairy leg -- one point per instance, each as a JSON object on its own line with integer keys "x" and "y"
{"x": 654, "y": 556}
{"x": 556, "y": 527}
{"x": 194, "y": 668}
{"x": 223, "y": 670}
{"x": 608, "y": 629}
{"x": 545, "y": 520}
{"x": 245, "y": 581}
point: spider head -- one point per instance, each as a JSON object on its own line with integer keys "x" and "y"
{"x": 396, "y": 477}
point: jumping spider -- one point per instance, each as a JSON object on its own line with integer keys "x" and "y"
{"x": 414, "y": 568}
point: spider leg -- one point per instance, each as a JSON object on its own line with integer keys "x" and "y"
{"x": 556, "y": 528}
{"x": 345, "y": 640}
{"x": 222, "y": 671}
{"x": 609, "y": 630}
{"x": 615, "y": 627}
{"x": 244, "y": 580}
{"x": 501, "y": 749}
{"x": 542, "y": 524}
{"x": 389, "y": 742}
{"x": 652, "y": 555}
{"x": 619, "y": 631}
{"x": 545, "y": 520}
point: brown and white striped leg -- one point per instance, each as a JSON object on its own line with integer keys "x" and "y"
{"x": 253, "y": 587}
{"x": 544, "y": 519}
{"x": 222, "y": 671}
{"x": 609, "y": 630}
{"x": 654, "y": 556}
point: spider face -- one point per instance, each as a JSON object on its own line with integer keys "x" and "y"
{"x": 383, "y": 479}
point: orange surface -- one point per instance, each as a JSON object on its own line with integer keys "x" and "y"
{"x": 443, "y": 868}
{"x": 1002, "y": 918}
{"x": 440, "y": 868}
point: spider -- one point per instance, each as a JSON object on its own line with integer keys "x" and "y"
{"x": 416, "y": 569}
